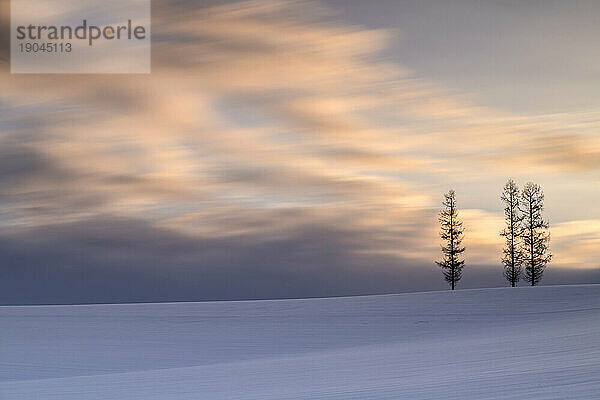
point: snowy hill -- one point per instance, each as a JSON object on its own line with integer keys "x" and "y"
{"x": 521, "y": 343}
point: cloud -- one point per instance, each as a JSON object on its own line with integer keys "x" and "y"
{"x": 117, "y": 259}
{"x": 576, "y": 243}
{"x": 270, "y": 153}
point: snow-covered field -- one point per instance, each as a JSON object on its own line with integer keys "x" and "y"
{"x": 522, "y": 343}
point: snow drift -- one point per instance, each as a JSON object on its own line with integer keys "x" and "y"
{"x": 510, "y": 343}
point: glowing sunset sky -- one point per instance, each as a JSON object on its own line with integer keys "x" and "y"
{"x": 283, "y": 149}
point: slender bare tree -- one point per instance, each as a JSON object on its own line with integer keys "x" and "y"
{"x": 512, "y": 255}
{"x": 535, "y": 237}
{"x": 451, "y": 232}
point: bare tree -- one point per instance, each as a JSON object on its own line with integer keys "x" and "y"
{"x": 512, "y": 255}
{"x": 535, "y": 233}
{"x": 451, "y": 232}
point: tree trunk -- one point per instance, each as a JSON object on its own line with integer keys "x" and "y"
{"x": 531, "y": 244}
{"x": 452, "y": 241}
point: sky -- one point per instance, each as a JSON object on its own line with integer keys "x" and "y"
{"x": 300, "y": 148}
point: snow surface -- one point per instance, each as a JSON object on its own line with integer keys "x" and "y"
{"x": 510, "y": 343}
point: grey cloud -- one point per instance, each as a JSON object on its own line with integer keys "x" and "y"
{"x": 4, "y": 34}
{"x": 21, "y": 163}
{"x": 114, "y": 260}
